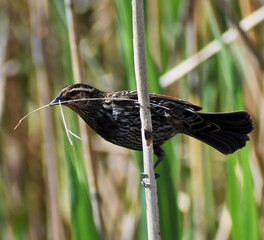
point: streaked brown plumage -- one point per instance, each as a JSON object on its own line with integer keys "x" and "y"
{"x": 115, "y": 117}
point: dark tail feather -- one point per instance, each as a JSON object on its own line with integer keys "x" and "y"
{"x": 231, "y": 133}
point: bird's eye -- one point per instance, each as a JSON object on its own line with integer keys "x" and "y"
{"x": 71, "y": 93}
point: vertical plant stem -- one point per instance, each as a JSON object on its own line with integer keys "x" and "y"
{"x": 195, "y": 153}
{"x": 89, "y": 163}
{"x": 3, "y": 49}
{"x": 145, "y": 115}
{"x": 38, "y": 19}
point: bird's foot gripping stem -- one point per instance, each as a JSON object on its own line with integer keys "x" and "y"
{"x": 145, "y": 179}
{"x": 145, "y": 182}
{"x": 160, "y": 154}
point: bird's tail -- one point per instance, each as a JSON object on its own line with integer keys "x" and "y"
{"x": 225, "y": 132}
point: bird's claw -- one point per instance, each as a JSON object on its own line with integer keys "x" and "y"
{"x": 145, "y": 183}
{"x": 144, "y": 175}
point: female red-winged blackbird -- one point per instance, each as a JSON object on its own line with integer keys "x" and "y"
{"x": 115, "y": 117}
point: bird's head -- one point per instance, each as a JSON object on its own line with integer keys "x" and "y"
{"x": 77, "y": 96}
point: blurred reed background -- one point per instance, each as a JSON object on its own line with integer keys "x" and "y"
{"x": 50, "y": 189}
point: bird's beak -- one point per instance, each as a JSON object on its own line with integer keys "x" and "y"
{"x": 56, "y": 100}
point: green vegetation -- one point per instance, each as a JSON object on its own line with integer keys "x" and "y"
{"x": 46, "y": 187}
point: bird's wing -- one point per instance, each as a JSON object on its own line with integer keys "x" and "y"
{"x": 154, "y": 96}
{"x": 132, "y": 94}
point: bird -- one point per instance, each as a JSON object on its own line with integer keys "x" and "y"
{"x": 115, "y": 117}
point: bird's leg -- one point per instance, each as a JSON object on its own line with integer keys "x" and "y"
{"x": 160, "y": 154}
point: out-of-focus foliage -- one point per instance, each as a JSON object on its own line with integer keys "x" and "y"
{"x": 46, "y": 187}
